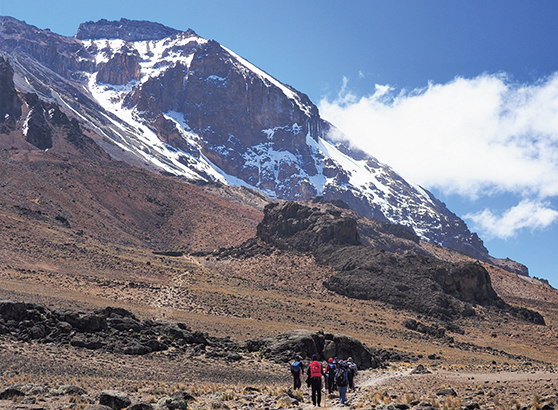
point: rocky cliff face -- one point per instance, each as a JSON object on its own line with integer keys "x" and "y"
{"x": 124, "y": 29}
{"x": 10, "y": 104}
{"x": 195, "y": 109}
{"x": 119, "y": 70}
{"x": 405, "y": 279}
{"x": 291, "y": 225}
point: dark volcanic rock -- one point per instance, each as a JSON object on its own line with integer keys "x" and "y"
{"x": 124, "y": 29}
{"x": 407, "y": 281}
{"x": 10, "y": 392}
{"x": 120, "y": 69}
{"x": 467, "y": 281}
{"x": 306, "y": 343}
{"x": 36, "y": 127}
{"x": 111, "y": 329}
{"x": 68, "y": 390}
{"x": 294, "y": 226}
{"x": 10, "y": 104}
{"x": 63, "y": 55}
{"x": 114, "y": 399}
{"x": 141, "y": 406}
{"x": 420, "y": 369}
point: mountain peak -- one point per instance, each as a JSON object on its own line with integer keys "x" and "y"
{"x": 129, "y": 30}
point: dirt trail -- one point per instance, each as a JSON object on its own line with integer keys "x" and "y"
{"x": 485, "y": 388}
{"x": 379, "y": 378}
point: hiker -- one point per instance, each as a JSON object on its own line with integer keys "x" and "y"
{"x": 314, "y": 380}
{"x": 296, "y": 372}
{"x": 353, "y": 371}
{"x": 330, "y": 374}
{"x": 342, "y": 380}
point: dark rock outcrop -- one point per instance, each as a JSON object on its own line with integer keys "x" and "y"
{"x": 63, "y": 55}
{"x": 407, "y": 280}
{"x": 411, "y": 281}
{"x": 467, "y": 281}
{"x": 9, "y": 393}
{"x": 120, "y": 69}
{"x": 306, "y": 343}
{"x": 129, "y": 30}
{"x": 110, "y": 329}
{"x": 105, "y": 330}
{"x": 10, "y": 104}
{"x": 114, "y": 399}
{"x": 291, "y": 225}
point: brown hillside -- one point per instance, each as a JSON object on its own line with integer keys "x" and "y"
{"x": 79, "y": 230}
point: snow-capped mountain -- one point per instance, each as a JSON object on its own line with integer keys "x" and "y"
{"x": 194, "y": 109}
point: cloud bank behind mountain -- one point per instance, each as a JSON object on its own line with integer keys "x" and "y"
{"x": 479, "y": 137}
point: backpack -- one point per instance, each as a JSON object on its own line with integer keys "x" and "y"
{"x": 353, "y": 369}
{"x": 315, "y": 369}
{"x": 295, "y": 367}
{"x": 341, "y": 378}
{"x": 330, "y": 370}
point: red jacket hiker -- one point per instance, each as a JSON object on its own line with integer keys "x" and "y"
{"x": 315, "y": 373}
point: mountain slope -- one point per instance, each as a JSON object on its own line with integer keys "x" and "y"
{"x": 179, "y": 103}
{"x": 81, "y": 230}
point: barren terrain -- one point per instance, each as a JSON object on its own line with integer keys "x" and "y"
{"x": 84, "y": 232}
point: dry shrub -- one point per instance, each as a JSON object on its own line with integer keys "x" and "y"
{"x": 536, "y": 403}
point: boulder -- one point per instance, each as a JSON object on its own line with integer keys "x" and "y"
{"x": 68, "y": 390}
{"x": 141, "y": 406}
{"x": 10, "y": 310}
{"x": 343, "y": 347}
{"x": 124, "y": 324}
{"x": 448, "y": 391}
{"x": 114, "y": 399}
{"x": 10, "y": 392}
{"x": 470, "y": 405}
{"x": 306, "y": 343}
{"x": 97, "y": 407}
{"x": 420, "y": 369}
{"x": 172, "y": 403}
{"x": 91, "y": 322}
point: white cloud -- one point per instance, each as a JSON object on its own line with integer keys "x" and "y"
{"x": 527, "y": 214}
{"x": 470, "y": 137}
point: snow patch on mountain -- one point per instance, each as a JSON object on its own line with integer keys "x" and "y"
{"x": 155, "y": 55}
{"x": 147, "y": 144}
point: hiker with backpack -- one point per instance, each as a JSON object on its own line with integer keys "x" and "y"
{"x": 330, "y": 375}
{"x": 315, "y": 374}
{"x": 296, "y": 372}
{"x": 342, "y": 380}
{"x": 353, "y": 370}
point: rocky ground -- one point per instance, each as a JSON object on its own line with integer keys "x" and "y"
{"x": 173, "y": 384}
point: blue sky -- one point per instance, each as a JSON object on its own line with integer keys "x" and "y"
{"x": 460, "y": 97}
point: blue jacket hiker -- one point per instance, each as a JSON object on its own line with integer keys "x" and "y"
{"x": 296, "y": 371}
